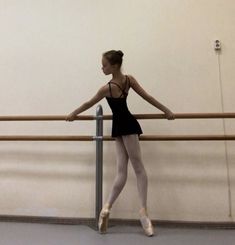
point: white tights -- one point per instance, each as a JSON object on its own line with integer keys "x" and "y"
{"x": 128, "y": 147}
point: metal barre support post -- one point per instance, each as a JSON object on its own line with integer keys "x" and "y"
{"x": 99, "y": 162}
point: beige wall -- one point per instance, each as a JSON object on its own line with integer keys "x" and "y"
{"x": 50, "y": 53}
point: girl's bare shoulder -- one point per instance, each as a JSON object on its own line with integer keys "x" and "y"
{"x": 104, "y": 90}
{"x": 132, "y": 80}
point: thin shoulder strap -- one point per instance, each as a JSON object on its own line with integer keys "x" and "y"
{"x": 127, "y": 86}
{"x": 127, "y": 82}
{"x": 123, "y": 92}
{"x": 117, "y": 85}
{"x": 110, "y": 90}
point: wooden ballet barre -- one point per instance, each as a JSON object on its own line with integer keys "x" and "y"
{"x": 109, "y": 138}
{"x": 179, "y": 137}
{"x": 186, "y": 115}
{"x": 44, "y": 118}
{"x": 186, "y": 137}
{"x": 109, "y": 117}
{"x": 45, "y": 138}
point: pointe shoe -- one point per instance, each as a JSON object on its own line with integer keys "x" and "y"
{"x": 103, "y": 219}
{"x": 146, "y": 223}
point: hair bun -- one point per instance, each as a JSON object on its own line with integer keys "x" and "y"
{"x": 120, "y": 53}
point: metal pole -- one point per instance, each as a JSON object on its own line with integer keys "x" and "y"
{"x": 99, "y": 162}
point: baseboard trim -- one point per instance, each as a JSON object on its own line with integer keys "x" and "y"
{"x": 47, "y": 220}
{"x": 131, "y": 222}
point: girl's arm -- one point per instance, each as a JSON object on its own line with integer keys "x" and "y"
{"x": 102, "y": 92}
{"x": 139, "y": 90}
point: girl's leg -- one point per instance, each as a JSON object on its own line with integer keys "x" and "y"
{"x": 121, "y": 177}
{"x": 132, "y": 146}
{"x": 119, "y": 182}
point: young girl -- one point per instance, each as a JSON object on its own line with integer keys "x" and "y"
{"x": 126, "y": 131}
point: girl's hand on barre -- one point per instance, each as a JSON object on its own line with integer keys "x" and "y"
{"x": 169, "y": 115}
{"x": 71, "y": 117}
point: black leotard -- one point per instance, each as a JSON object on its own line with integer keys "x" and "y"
{"x": 124, "y": 123}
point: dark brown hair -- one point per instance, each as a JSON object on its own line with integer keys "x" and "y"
{"x": 114, "y": 57}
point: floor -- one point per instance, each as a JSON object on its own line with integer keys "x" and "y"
{"x": 49, "y": 234}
